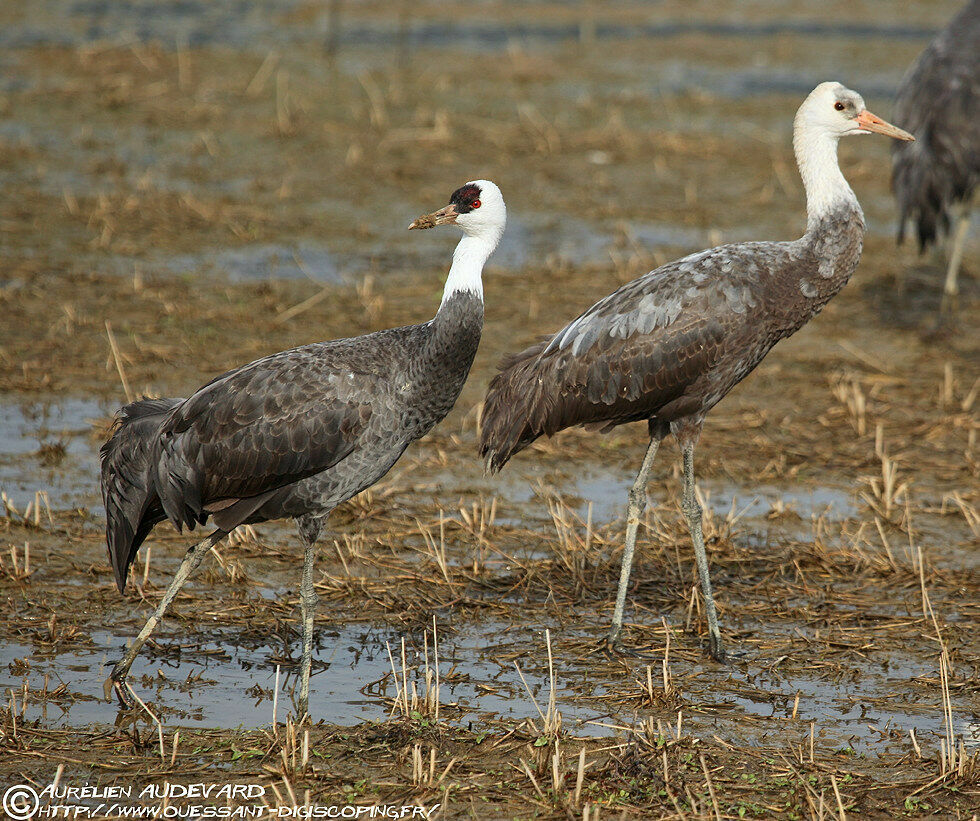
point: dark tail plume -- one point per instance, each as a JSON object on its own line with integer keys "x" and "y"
{"x": 924, "y": 191}
{"x": 132, "y": 507}
{"x": 510, "y": 408}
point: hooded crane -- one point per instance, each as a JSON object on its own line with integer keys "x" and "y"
{"x": 297, "y": 433}
{"x": 935, "y": 178}
{"x": 668, "y": 346}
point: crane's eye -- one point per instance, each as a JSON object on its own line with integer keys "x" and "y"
{"x": 839, "y": 105}
{"x": 475, "y": 204}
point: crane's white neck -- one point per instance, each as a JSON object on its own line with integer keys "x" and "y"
{"x": 826, "y": 188}
{"x": 466, "y": 273}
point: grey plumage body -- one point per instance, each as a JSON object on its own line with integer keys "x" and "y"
{"x": 668, "y": 346}
{"x": 935, "y": 177}
{"x": 291, "y": 435}
{"x": 296, "y": 433}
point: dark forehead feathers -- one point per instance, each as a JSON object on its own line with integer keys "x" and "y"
{"x": 463, "y": 197}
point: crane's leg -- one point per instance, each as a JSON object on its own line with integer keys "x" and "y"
{"x": 192, "y": 560}
{"x": 637, "y": 502}
{"x": 692, "y": 510}
{"x": 308, "y": 600}
{"x": 957, "y": 241}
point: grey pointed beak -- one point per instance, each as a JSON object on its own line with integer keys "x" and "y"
{"x": 444, "y": 216}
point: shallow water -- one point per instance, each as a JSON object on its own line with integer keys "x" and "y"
{"x": 225, "y": 678}
{"x": 32, "y": 434}
{"x": 158, "y": 153}
{"x": 607, "y": 490}
{"x": 247, "y": 24}
{"x": 264, "y": 261}
{"x": 228, "y": 681}
{"x": 27, "y": 428}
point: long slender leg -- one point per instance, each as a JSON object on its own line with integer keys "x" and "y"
{"x": 692, "y": 510}
{"x": 957, "y": 241}
{"x": 637, "y": 502}
{"x": 192, "y": 560}
{"x": 308, "y": 599}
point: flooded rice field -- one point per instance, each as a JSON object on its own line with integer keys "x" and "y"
{"x": 188, "y": 186}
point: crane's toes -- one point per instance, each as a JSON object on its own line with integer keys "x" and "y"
{"x": 612, "y": 647}
{"x": 716, "y": 649}
{"x": 124, "y": 696}
{"x": 121, "y": 688}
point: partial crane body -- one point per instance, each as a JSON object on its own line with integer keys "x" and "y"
{"x": 668, "y": 346}
{"x": 296, "y": 433}
{"x": 935, "y": 178}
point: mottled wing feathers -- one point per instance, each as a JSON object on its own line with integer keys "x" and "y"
{"x": 633, "y": 355}
{"x": 626, "y": 379}
{"x": 289, "y": 434}
{"x": 253, "y": 430}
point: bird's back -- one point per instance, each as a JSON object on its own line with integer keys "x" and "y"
{"x": 660, "y": 346}
{"x": 939, "y": 102}
{"x": 284, "y": 419}
{"x": 670, "y": 344}
{"x": 236, "y": 448}
{"x": 431, "y": 364}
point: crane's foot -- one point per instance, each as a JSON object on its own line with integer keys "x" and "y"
{"x": 612, "y": 647}
{"x": 117, "y": 683}
{"x": 612, "y": 639}
{"x": 716, "y": 649}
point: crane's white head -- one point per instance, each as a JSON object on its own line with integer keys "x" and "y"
{"x": 835, "y": 111}
{"x": 829, "y": 113}
{"x": 477, "y": 207}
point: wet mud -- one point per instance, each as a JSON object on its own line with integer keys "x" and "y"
{"x": 208, "y": 183}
